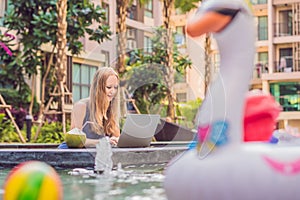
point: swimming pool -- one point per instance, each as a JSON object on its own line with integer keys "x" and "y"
{"x": 142, "y": 182}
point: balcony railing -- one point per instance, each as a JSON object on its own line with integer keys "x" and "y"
{"x": 256, "y": 2}
{"x": 132, "y": 12}
{"x": 259, "y": 69}
{"x": 279, "y": 66}
{"x": 283, "y": 29}
{"x": 287, "y": 66}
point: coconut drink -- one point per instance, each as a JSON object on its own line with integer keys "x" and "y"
{"x": 75, "y": 138}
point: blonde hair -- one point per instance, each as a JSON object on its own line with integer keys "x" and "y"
{"x": 103, "y": 113}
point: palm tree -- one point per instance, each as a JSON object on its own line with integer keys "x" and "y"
{"x": 61, "y": 62}
{"x": 122, "y": 6}
{"x": 168, "y": 9}
{"x": 207, "y": 65}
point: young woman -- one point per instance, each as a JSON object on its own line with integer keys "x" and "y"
{"x": 97, "y": 115}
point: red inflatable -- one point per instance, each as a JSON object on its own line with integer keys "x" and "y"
{"x": 261, "y": 112}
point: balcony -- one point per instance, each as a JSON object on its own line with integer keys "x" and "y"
{"x": 259, "y": 69}
{"x": 287, "y": 64}
{"x": 257, "y": 2}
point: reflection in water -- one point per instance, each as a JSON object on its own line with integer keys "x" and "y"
{"x": 142, "y": 182}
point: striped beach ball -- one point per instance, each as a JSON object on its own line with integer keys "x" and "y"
{"x": 33, "y": 180}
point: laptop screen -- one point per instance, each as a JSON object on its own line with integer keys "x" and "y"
{"x": 138, "y": 130}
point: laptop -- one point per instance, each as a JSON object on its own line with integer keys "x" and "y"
{"x": 138, "y": 130}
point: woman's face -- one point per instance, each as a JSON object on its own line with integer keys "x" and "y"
{"x": 111, "y": 87}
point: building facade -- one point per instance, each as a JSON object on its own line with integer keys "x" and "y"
{"x": 277, "y": 64}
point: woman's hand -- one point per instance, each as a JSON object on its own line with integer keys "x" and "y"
{"x": 114, "y": 140}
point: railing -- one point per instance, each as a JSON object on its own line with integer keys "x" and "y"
{"x": 287, "y": 66}
{"x": 259, "y": 70}
{"x": 279, "y": 66}
{"x": 256, "y": 2}
{"x": 283, "y": 29}
{"x": 132, "y": 12}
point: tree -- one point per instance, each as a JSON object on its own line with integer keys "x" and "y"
{"x": 122, "y": 6}
{"x": 36, "y": 24}
{"x": 61, "y": 58}
{"x": 146, "y": 73}
{"x": 4, "y": 44}
{"x": 168, "y": 9}
{"x": 207, "y": 67}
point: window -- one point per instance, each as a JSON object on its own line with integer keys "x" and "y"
{"x": 2, "y": 7}
{"x": 179, "y": 36}
{"x": 131, "y": 33}
{"x": 181, "y": 97}
{"x": 285, "y": 63}
{"x": 5, "y": 5}
{"x": 132, "y": 12}
{"x": 263, "y": 28}
{"x": 287, "y": 95}
{"x": 180, "y": 77}
{"x": 105, "y": 6}
{"x": 261, "y": 66}
{"x": 263, "y": 57}
{"x": 263, "y": 61}
{"x": 147, "y": 44}
{"x": 107, "y": 58}
{"x": 149, "y": 9}
{"x": 285, "y": 25}
{"x": 131, "y": 44}
{"x": 259, "y": 2}
{"x": 216, "y": 62}
{"x": 82, "y": 76}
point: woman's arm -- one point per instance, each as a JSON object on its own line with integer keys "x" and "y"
{"x": 78, "y": 114}
{"x": 208, "y": 22}
{"x": 92, "y": 142}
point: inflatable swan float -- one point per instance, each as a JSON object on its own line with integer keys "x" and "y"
{"x": 221, "y": 166}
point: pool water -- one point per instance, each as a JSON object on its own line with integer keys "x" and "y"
{"x": 131, "y": 183}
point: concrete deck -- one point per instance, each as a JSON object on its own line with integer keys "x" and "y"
{"x": 158, "y": 153}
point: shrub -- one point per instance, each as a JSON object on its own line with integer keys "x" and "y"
{"x": 189, "y": 110}
{"x": 52, "y": 133}
{"x": 7, "y": 130}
